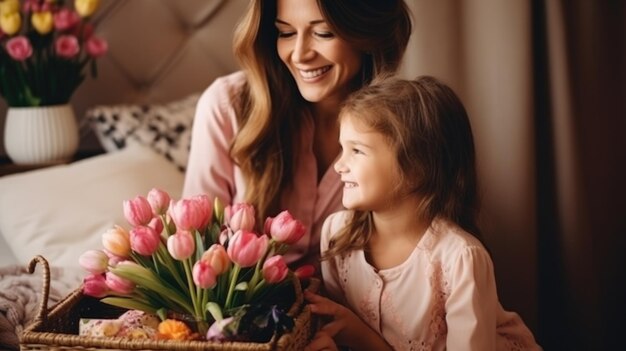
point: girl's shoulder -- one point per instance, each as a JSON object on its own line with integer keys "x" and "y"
{"x": 446, "y": 239}
{"x": 334, "y": 223}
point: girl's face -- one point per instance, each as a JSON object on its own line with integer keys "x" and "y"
{"x": 368, "y": 167}
{"x": 322, "y": 64}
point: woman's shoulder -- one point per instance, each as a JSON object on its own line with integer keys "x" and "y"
{"x": 234, "y": 80}
{"x": 222, "y": 99}
{"x": 225, "y": 90}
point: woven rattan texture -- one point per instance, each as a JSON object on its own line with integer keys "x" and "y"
{"x": 57, "y": 328}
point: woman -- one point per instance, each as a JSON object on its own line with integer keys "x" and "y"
{"x": 268, "y": 135}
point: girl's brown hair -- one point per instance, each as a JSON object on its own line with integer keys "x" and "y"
{"x": 272, "y": 107}
{"x": 424, "y": 121}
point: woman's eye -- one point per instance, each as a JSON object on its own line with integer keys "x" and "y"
{"x": 282, "y": 34}
{"x": 325, "y": 35}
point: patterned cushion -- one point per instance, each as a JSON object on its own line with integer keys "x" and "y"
{"x": 165, "y": 127}
{"x": 113, "y": 125}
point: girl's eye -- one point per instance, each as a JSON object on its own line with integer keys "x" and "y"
{"x": 324, "y": 35}
{"x": 356, "y": 151}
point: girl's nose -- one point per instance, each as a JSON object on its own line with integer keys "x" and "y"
{"x": 340, "y": 167}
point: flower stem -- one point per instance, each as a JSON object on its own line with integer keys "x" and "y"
{"x": 257, "y": 270}
{"x": 192, "y": 290}
{"x": 231, "y": 287}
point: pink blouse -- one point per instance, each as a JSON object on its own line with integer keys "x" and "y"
{"x": 212, "y": 171}
{"x": 442, "y": 297}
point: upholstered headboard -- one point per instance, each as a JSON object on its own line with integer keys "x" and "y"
{"x": 159, "y": 51}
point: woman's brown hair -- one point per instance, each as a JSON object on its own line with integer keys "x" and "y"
{"x": 425, "y": 122}
{"x": 272, "y": 106}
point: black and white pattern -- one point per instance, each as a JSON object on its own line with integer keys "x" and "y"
{"x": 165, "y": 128}
{"x": 113, "y": 125}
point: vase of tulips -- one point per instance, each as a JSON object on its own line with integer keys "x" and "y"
{"x": 46, "y": 48}
{"x": 194, "y": 260}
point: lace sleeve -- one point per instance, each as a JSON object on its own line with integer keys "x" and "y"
{"x": 471, "y": 308}
{"x": 330, "y": 269}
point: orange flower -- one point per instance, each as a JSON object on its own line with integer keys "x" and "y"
{"x": 172, "y": 329}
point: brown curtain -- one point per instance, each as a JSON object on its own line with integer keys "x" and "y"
{"x": 545, "y": 86}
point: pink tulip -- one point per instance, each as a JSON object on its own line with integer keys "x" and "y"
{"x": 158, "y": 199}
{"x": 240, "y": 216}
{"x": 95, "y": 285}
{"x": 113, "y": 259}
{"x": 246, "y": 248}
{"x": 65, "y": 19}
{"x": 47, "y": 6}
{"x": 203, "y": 275}
{"x": 96, "y": 47}
{"x": 206, "y": 209}
{"x": 19, "y": 48}
{"x": 187, "y": 214}
{"x": 157, "y": 224}
{"x": 275, "y": 269}
{"x": 137, "y": 211}
{"x": 304, "y": 272}
{"x": 84, "y": 31}
{"x": 66, "y": 46}
{"x": 118, "y": 284}
{"x": 117, "y": 241}
{"x": 217, "y": 258}
{"x": 284, "y": 228}
{"x": 31, "y": 6}
{"x": 94, "y": 261}
{"x": 144, "y": 240}
{"x": 181, "y": 245}
{"x": 224, "y": 236}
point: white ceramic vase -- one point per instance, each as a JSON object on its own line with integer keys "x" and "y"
{"x": 38, "y": 135}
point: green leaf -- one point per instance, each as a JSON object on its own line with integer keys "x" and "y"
{"x": 199, "y": 246}
{"x": 128, "y": 303}
{"x": 243, "y": 286}
{"x": 215, "y": 311}
{"x": 147, "y": 279}
{"x": 162, "y": 313}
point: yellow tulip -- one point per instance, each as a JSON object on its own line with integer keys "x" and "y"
{"x": 86, "y": 8}
{"x": 9, "y": 7}
{"x": 42, "y": 21}
{"x": 117, "y": 241}
{"x": 10, "y": 22}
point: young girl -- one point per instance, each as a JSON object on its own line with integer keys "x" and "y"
{"x": 404, "y": 260}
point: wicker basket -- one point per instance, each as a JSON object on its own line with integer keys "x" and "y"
{"x": 57, "y": 328}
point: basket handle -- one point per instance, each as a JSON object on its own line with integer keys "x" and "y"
{"x": 43, "y": 306}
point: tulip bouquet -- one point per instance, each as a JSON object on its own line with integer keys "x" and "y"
{"x": 195, "y": 259}
{"x": 45, "y": 47}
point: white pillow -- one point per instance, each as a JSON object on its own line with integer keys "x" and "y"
{"x": 60, "y": 212}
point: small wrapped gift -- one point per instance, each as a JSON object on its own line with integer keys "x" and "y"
{"x": 132, "y": 324}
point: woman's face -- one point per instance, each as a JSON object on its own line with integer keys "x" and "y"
{"x": 322, "y": 64}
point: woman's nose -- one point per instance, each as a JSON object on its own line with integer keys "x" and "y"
{"x": 303, "y": 50}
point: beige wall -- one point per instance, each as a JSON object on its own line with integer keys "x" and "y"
{"x": 483, "y": 50}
